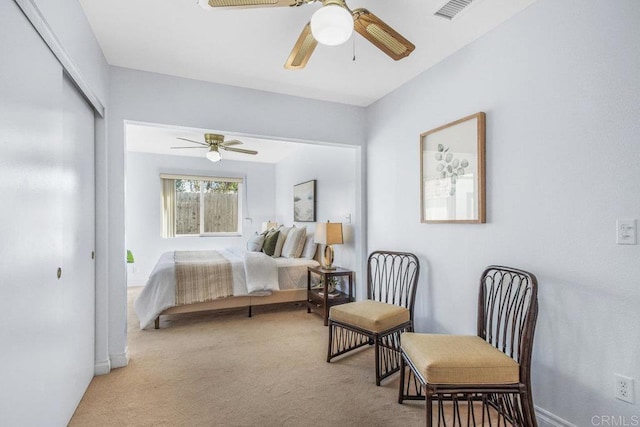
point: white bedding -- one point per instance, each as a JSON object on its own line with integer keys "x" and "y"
{"x": 254, "y": 273}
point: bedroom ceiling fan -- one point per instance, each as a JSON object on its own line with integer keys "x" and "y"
{"x": 215, "y": 142}
{"x": 331, "y": 25}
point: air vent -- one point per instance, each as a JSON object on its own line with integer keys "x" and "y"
{"x": 452, "y": 8}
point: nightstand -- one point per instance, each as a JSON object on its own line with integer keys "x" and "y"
{"x": 318, "y": 299}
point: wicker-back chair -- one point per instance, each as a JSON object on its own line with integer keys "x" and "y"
{"x": 392, "y": 278}
{"x": 490, "y": 371}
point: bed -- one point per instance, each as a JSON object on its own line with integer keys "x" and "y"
{"x": 254, "y": 279}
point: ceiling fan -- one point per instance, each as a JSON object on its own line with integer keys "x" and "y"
{"x": 331, "y": 25}
{"x": 215, "y": 142}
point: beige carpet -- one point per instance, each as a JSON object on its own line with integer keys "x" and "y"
{"x": 226, "y": 369}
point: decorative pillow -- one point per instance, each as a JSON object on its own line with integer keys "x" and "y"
{"x": 310, "y": 247}
{"x": 295, "y": 237}
{"x": 281, "y": 238}
{"x": 301, "y": 244}
{"x": 270, "y": 242}
{"x": 255, "y": 242}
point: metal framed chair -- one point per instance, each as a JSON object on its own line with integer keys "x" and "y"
{"x": 488, "y": 373}
{"x": 379, "y": 320}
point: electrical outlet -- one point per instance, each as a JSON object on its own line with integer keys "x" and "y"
{"x": 623, "y": 388}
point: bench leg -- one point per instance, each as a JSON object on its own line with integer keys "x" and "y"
{"x": 157, "y": 322}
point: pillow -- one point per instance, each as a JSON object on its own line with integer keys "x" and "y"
{"x": 281, "y": 238}
{"x": 310, "y": 247}
{"x": 290, "y": 247}
{"x": 301, "y": 244}
{"x": 255, "y": 242}
{"x": 270, "y": 242}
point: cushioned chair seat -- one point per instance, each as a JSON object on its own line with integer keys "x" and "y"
{"x": 456, "y": 359}
{"x": 371, "y": 315}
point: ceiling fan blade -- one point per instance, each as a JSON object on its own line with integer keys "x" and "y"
{"x": 302, "y": 50}
{"x": 253, "y": 3}
{"x": 189, "y": 147}
{"x": 238, "y": 150}
{"x": 191, "y": 140}
{"x": 381, "y": 35}
{"x": 232, "y": 142}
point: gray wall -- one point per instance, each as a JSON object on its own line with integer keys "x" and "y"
{"x": 138, "y": 96}
{"x": 559, "y": 83}
{"x": 68, "y": 22}
{"x": 269, "y": 197}
{"x": 559, "y": 86}
{"x": 335, "y": 170}
{"x": 143, "y": 208}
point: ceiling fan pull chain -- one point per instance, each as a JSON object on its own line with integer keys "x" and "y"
{"x": 354, "y": 49}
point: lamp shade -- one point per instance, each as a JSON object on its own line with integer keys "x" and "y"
{"x": 269, "y": 224}
{"x": 214, "y": 155}
{"x": 331, "y": 25}
{"x": 328, "y": 233}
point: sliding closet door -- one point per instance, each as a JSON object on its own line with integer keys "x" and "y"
{"x": 46, "y": 328}
{"x": 78, "y": 238}
{"x": 30, "y": 220}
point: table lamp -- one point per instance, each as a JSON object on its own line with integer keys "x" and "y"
{"x": 328, "y": 233}
{"x": 268, "y": 225}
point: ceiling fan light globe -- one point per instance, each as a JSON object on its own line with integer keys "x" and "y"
{"x": 205, "y": 4}
{"x": 214, "y": 155}
{"x": 332, "y": 25}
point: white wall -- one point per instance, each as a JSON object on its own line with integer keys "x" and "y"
{"x": 154, "y": 98}
{"x": 143, "y": 209}
{"x": 559, "y": 83}
{"x": 335, "y": 170}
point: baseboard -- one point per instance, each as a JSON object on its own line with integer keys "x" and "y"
{"x": 102, "y": 367}
{"x": 120, "y": 360}
{"x": 547, "y": 419}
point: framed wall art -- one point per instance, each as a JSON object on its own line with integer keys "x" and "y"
{"x": 304, "y": 201}
{"x": 452, "y": 172}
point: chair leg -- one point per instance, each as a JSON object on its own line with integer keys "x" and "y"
{"x": 377, "y": 349}
{"x": 401, "y": 389}
{"x": 529, "y": 413}
{"x": 429, "y": 406}
{"x": 330, "y": 341}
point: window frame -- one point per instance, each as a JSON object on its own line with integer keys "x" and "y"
{"x": 201, "y": 178}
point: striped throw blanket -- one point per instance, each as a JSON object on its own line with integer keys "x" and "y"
{"x": 202, "y": 276}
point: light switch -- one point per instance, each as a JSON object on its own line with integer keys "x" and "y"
{"x": 626, "y": 231}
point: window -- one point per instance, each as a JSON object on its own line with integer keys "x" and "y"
{"x": 201, "y": 206}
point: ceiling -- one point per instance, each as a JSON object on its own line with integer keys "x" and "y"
{"x": 248, "y": 47}
{"x": 158, "y": 140}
